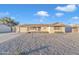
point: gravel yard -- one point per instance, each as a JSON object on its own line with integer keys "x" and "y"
{"x": 39, "y": 44}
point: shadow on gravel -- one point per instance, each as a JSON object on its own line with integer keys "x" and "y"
{"x": 34, "y": 50}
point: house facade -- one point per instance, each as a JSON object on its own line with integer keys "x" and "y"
{"x": 47, "y": 28}
{"x": 75, "y": 28}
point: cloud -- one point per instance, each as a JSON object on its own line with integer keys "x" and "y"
{"x": 59, "y": 14}
{"x": 67, "y": 8}
{"x": 42, "y": 13}
{"x": 75, "y": 18}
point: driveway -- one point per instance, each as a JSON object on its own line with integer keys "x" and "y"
{"x": 8, "y": 36}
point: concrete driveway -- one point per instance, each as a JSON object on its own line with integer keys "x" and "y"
{"x": 8, "y": 36}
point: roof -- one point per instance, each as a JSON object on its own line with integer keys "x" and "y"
{"x": 58, "y": 25}
{"x": 75, "y": 25}
{"x": 40, "y": 25}
{"x": 35, "y": 25}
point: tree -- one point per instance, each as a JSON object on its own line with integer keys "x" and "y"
{"x": 9, "y": 22}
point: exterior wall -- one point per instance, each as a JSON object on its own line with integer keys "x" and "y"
{"x": 23, "y": 29}
{"x": 44, "y": 29}
{"x": 75, "y": 30}
{"x": 78, "y": 29}
{"x": 31, "y": 29}
{"x": 17, "y": 29}
{"x": 51, "y": 30}
{"x": 61, "y": 30}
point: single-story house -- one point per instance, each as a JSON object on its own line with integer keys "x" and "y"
{"x": 75, "y": 28}
{"x": 50, "y": 28}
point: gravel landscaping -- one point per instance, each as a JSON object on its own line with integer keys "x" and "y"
{"x": 39, "y": 44}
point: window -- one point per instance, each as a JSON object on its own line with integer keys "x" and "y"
{"x": 33, "y": 28}
{"x": 57, "y": 28}
{"x": 39, "y": 28}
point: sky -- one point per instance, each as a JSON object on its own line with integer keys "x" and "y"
{"x": 41, "y": 13}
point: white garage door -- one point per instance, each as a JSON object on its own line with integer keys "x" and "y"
{"x": 4, "y": 28}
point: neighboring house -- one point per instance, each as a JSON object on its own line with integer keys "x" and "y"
{"x": 50, "y": 28}
{"x": 75, "y": 28}
{"x": 4, "y": 28}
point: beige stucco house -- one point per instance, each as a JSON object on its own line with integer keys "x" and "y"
{"x": 48, "y": 28}
{"x": 75, "y": 28}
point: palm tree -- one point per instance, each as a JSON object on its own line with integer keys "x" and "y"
{"x": 9, "y": 22}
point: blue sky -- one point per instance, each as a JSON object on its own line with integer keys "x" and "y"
{"x": 41, "y": 13}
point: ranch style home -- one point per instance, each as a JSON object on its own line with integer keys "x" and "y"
{"x": 47, "y": 28}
